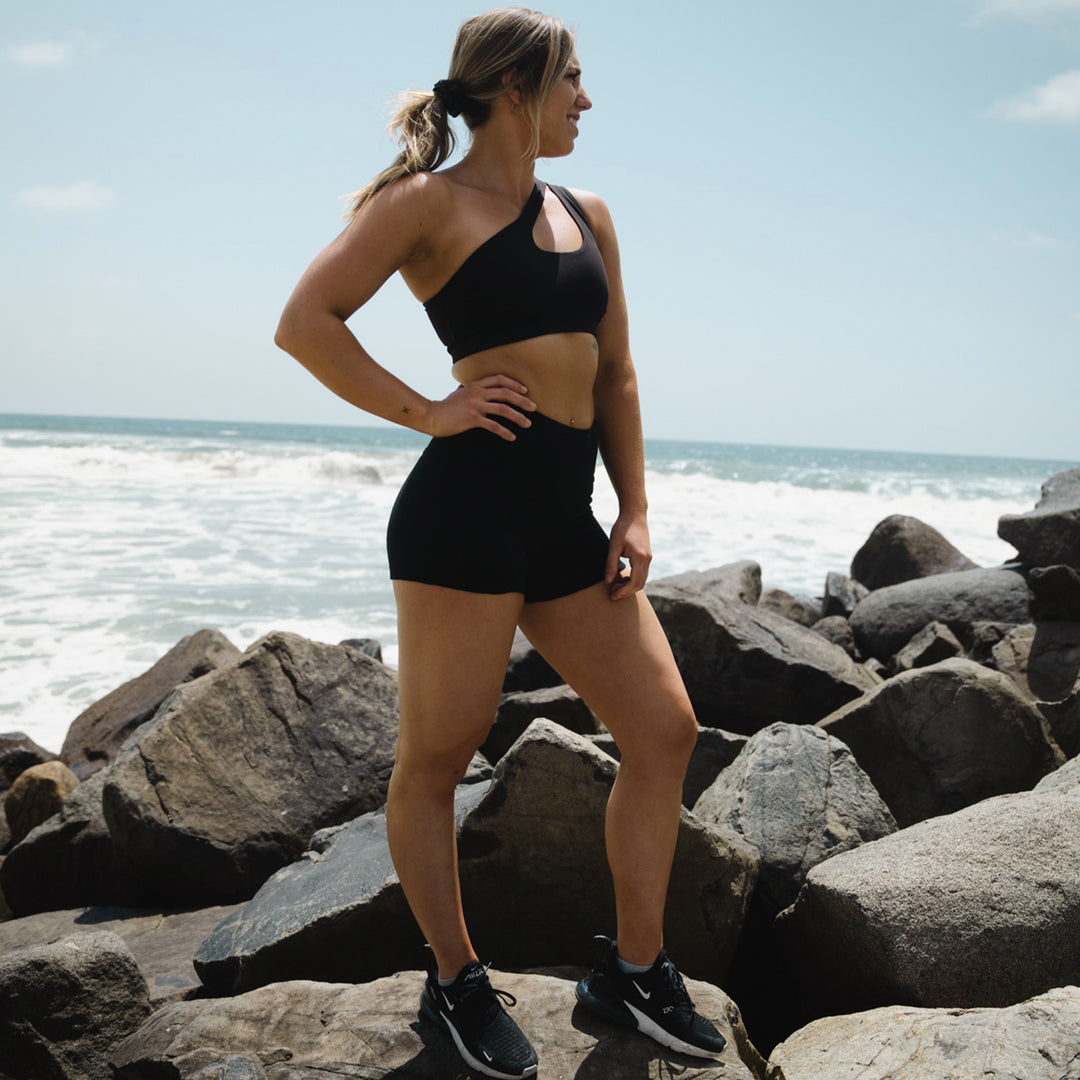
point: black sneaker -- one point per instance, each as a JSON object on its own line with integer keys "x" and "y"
{"x": 655, "y": 1002}
{"x": 470, "y": 1010}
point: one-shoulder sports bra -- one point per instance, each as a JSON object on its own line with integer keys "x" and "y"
{"x": 510, "y": 290}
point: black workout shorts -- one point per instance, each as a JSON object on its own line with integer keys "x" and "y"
{"x": 486, "y": 515}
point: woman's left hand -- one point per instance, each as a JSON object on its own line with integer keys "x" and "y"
{"x": 630, "y": 541}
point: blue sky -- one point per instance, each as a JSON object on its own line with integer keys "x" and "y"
{"x": 843, "y": 223}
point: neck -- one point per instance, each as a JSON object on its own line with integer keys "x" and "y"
{"x": 498, "y": 159}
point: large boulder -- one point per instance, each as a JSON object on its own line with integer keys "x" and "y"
{"x": 64, "y": 1006}
{"x": 1043, "y": 659}
{"x": 976, "y": 908}
{"x": 535, "y": 835}
{"x": 308, "y": 1029}
{"x": 240, "y": 767}
{"x": 36, "y": 795}
{"x": 746, "y": 668}
{"x": 942, "y": 737}
{"x": 162, "y": 942}
{"x": 18, "y": 752}
{"x": 837, "y": 629}
{"x": 1055, "y": 593}
{"x": 1063, "y": 719}
{"x": 841, "y": 594}
{"x": 798, "y": 609}
{"x": 526, "y": 669}
{"x": 901, "y": 548}
{"x": 737, "y": 582}
{"x": 519, "y": 709}
{"x": 889, "y": 617}
{"x": 97, "y": 733}
{"x": 1035, "y": 1040}
{"x": 1049, "y": 535}
{"x": 799, "y": 797}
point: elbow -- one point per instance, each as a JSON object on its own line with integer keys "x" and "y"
{"x": 286, "y": 335}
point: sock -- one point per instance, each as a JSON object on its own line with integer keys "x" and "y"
{"x": 446, "y": 982}
{"x": 631, "y": 969}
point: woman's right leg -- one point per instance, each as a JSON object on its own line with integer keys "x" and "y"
{"x": 453, "y": 647}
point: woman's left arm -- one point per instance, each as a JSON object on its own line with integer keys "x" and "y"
{"x": 618, "y": 417}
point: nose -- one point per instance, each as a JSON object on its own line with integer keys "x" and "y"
{"x": 583, "y": 100}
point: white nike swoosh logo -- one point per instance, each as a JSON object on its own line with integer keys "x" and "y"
{"x": 640, "y": 991}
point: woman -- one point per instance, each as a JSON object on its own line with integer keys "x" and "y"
{"x": 493, "y": 529}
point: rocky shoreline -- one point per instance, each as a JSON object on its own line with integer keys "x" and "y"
{"x": 877, "y": 873}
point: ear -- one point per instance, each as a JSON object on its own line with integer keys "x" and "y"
{"x": 513, "y": 95}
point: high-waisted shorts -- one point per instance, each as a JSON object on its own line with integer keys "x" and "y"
{"x": 487, "y": 515}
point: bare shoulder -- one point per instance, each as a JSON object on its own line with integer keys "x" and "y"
{"x": 596, "y": 211}
{"x": 417, "y": 197}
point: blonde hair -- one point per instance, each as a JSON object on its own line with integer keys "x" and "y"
{"x": 534, "y": 49}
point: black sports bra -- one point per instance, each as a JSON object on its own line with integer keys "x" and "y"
{"x": 510, "y": 290}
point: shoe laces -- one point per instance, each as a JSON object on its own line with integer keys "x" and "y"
{"x": 481, "y": 984}
{"x": 674, "y": 989}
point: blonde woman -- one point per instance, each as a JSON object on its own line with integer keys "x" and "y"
{"x": 493, "y": 529}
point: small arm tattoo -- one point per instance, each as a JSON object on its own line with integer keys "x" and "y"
{"x": 405, "y": 409}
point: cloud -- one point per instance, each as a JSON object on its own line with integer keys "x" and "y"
{"x": 1022, "y": 237}
{"x": 1027, "y": 9}
{"x": 41, "y": 54}
{"x": 83, "y": 195}
{"x": 1056, "y": 101}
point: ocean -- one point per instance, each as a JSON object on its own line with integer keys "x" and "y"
{"x": 119, "y": 537}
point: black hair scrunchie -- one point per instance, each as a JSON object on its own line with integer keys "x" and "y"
{"x": 452, "y": 95}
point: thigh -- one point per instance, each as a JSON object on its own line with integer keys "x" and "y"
{"x": 615, "y": 655}
{"x": 453, "y": 648}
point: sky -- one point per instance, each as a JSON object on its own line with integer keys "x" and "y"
{"x": 842, "y": 224}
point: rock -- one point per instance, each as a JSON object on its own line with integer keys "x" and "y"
{"x": 527, "y": 669}
{"x": 799, "y": 797}
{"x": 240, "y": 767}
{"x": 1035, "y": 1040}
{"x": 842, "y": 594}
{"x": 1063, "y": 718}
{"x": 746, "y": 668}
{"x": 835, "y": 628}
{"x": 97, "y": 733}
{"x": 797, "y": 609}
{"x": 1068, "y": 775}
{"x": 518, "y": 710}
{"x": 70, "y": 861}
{"x": 1055, "y": 594}
{"x": 162, "y": 942}
{"x": 976, "y": 908}
{"x": 1043, "y": 659}
{"x": 368, "y": 645}
{"x": 373, "y": 1030}
{"x": 737, "y": 582}
{"x": 536, "y": 834}
{"x": 902, "y": 548}
{"x": 981, "y": 639}
{"x": 480, "y": 770}
{"x": 36, "y": 795}
{"x": 1049, "y": 535}
{"x": 938, "y": 738}
{"x": 933, "y": 643}
{"x": 887, "y": 619}
{"x": 64, "y": 1006}
{"x": 18, "y": 752}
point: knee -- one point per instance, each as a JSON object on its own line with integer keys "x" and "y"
{"x": 427, "y": 778}
{"x": 667, "y": 741}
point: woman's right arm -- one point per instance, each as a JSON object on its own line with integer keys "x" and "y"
{"x": 392, "y": 229}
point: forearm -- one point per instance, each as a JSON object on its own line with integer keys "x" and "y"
{"x": 618, "y": 420}
{"x": 328, "y": 349}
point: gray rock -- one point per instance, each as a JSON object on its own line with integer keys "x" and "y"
{"x": 96, "y": 735}
{"x": 799, "y": 797}
{"x": 64, "y": 1006}
{"x": 1063, "y": 718}
{"x": 70, "y": 861}
{"x": 480, "y": 770}
{"x": 368, "y": 645}
{"x": 1043, "y": 659}
{"x": 327, "y": 1030}
{"x": 535, "y": 834}
{"x": 976, "y": 908}
{"x": 1049, "y": 535}
{"x": 746, "y": 668}
{"x": 1035, "y": 1040}
{"x": 842, "y": 594}
{"x": 887, "y": 619}
{"x": 527, "y": 669}
{"x": 837, "y": 629}
{"x": 933, "y": 643}
{"x": 981, "y": 639}
{"x": 36, "y": 795}
{"x": 18, "y": 752}
{"x": 796, "y": 608}
{"x": 1055, "y": 594}
{"x": 737, "y": 582}
{"x": 938, "y": 738}
{"x": 162, "y": 942}
{"x": 240, "y": 767}
{"x": 902, "y": 548}
{"x": 1067, "y": 776}
{"x": 518, "y": 710}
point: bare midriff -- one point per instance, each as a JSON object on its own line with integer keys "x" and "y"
{"x": 558, "y": 369}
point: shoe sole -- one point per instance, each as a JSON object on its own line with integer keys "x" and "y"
{"x": 623, "y": 1013}
{"x": 472, "y": 1062}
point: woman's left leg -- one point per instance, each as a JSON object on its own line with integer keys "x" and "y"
{"x": 615, "y": 655}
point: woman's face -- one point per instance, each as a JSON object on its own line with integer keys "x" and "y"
{"x": 561, "y": 112}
